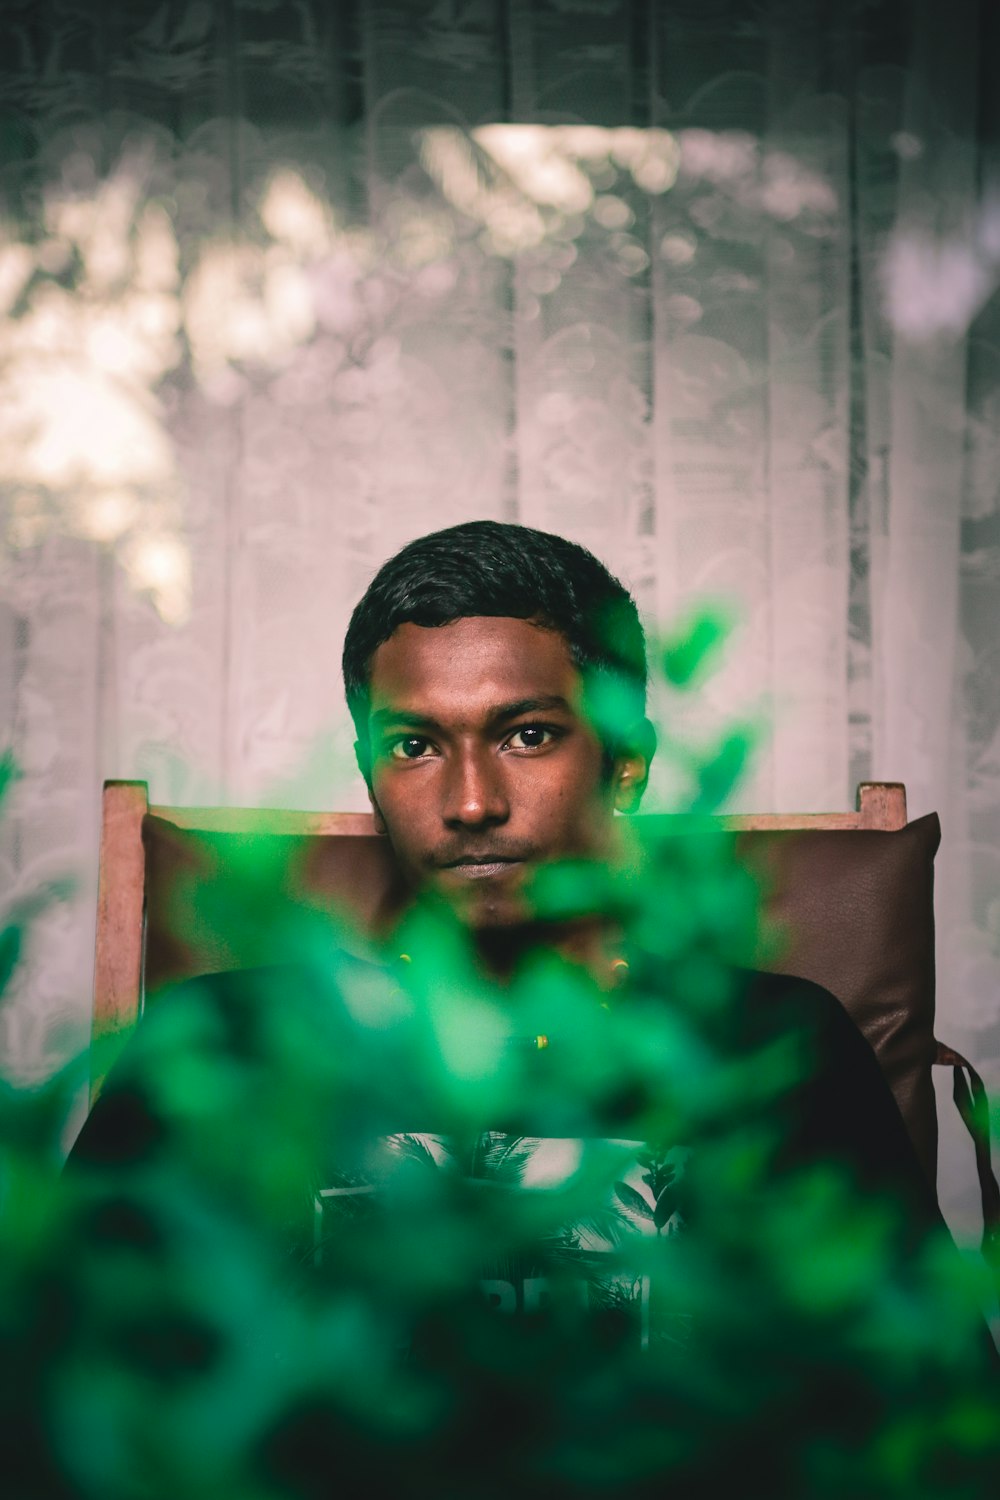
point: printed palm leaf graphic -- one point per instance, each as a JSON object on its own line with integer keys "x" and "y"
{"x": 415, "y": 1148}
{"x": 502, "y": 1158}
{"x": 660, "y": 1169}
{"x": 618, "y": 1294}
{"x": 608, "y": 1224}
{"x": 664, "y": 1195}
{"x": 562, "y": 1243}
{"x": 635, "y": 1205}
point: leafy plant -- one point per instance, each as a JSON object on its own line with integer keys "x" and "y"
{"x": 314, "y": 1250}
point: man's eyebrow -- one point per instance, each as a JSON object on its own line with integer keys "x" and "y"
{"x": 528, "y": 706}
{"x": 498, "y": 713}
{"x": 384, "y": 716}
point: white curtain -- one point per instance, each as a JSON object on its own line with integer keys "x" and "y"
{"x": 286, "y": 285}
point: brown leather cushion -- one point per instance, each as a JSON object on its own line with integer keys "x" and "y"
{"x": 857, "y": 908}
{"x": 191, "y": 928}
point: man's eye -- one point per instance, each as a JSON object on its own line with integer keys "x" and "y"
{"x": 412, "y": 747}
{"x": 530, "y": 737}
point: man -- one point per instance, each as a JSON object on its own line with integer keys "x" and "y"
{"x": 497, "y": 680}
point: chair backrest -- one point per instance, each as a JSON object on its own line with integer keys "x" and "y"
{"x": 853, "y": 891}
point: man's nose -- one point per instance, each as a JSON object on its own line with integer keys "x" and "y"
{"x": 475, "y": 794}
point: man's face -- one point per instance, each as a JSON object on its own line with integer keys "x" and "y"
{"x": 482, "y": 764}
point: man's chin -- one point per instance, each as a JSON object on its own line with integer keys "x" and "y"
{"x": 489, "y": 911}
{"x": 486, "y": 903}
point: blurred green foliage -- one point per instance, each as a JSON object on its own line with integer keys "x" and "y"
{"x": 187, "y": 1313}
{"x": 691, "y": 651}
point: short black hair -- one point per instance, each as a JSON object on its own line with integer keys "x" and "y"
{"x": 500, "y": 569}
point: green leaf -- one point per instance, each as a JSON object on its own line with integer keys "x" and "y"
{"x": 690, "y": 654}
{"x": 570, "y": 889}
{"x": 610, "y": 704}
{"x": 10, "y": 952}
{"x": 9, "y": 773}
{"x": 720, "y": 774}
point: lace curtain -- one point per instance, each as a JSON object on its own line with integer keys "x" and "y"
{"x": 709, "y": 288}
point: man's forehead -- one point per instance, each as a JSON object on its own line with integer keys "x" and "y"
{"x": 476, "y": 662}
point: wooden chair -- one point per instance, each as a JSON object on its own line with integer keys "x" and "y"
{"x": 854, "y": 890}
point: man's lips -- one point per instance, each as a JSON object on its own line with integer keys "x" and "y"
{"x": 481, "y": 867}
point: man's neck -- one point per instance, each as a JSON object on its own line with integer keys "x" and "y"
{"x": 593, "y": 944}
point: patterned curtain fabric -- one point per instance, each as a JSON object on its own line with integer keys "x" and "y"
{"x": 707, "y": 287}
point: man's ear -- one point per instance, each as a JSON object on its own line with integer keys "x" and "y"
{"x": 631, "y": 769}
{"x": 362, "y": 755}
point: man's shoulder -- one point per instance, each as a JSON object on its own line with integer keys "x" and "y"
{"x": 844, "y": 1109}
{"x": 769, "y": 1004}
{"x": 196, "y": 1029}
